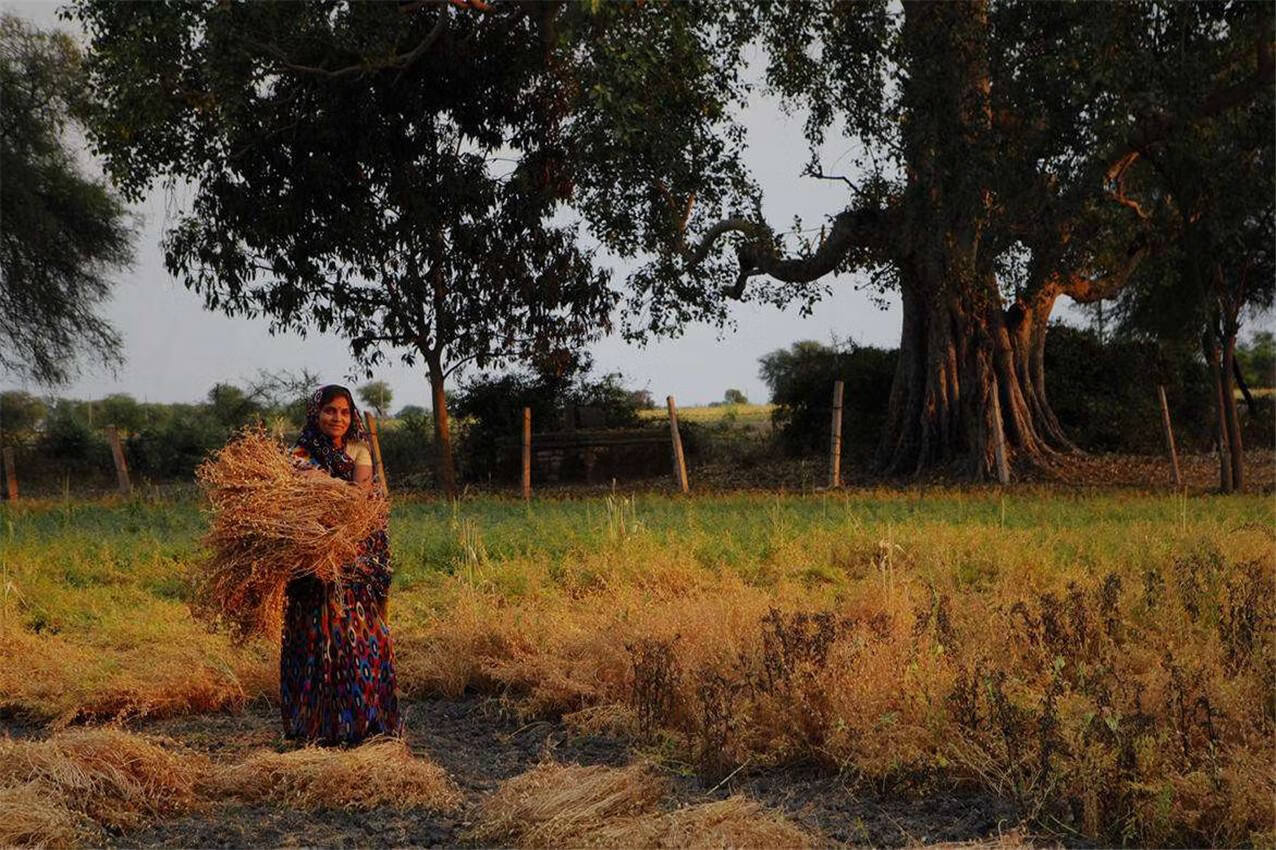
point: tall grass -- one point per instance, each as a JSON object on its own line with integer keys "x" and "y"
{"x": 1106, "y": 660}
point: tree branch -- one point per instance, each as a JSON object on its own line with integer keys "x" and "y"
{"x": 864, "y": 228}
{"x": 400, "y": 63}
{"x": 818, "y": 174}
{"x": 1082, "y": 288}
{"x": 1116, "y": 181}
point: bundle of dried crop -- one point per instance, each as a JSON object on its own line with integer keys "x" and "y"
{"x": 269, "y": 525}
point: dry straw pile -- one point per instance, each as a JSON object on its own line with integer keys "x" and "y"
{"x": 572, "y": 806}
{"x": 56, "y": 792}
{"x": 379, "y": 773}
{"x": 270, "y": 525}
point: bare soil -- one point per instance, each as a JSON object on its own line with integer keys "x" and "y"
{"x": 481, "y": 744}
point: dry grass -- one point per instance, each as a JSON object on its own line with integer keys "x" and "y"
{"x": 271, "y": 525}
{"x": 35, "y": 815}
{"x": 1010, "y": 840}
{"x": 573, "y": 806}
{"x": 177, "y": 669}
{"x": 379, "y": 773}
{"x": 1109, "y": 661}
{"x": 60, "y": 791}
{"x": 1132, "y": 703}
{"x": 53, "y": 792}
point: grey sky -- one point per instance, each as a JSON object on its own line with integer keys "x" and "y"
{"x": 175, "y": 350}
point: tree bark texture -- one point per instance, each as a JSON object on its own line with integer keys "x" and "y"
{"x": 1216, "y": 377}
{"x": 1236, "y": 451}
{"x": 445, "y": 461}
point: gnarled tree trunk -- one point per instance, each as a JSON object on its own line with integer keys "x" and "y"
{"x": 956, "y": 350}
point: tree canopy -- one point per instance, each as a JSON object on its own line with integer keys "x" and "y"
{"x": 398, "y": 173}
{"x": 62, "y": 232}
{"x": 993, "y": 148}
{"x": 377, "y": 395}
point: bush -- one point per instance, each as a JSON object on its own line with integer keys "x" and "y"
{"x": 407, "y": 450}
{"x": 175, "y": 446}
{"x": 493, "y": 406}
{"x": 71, "y": 443}
{"x": 1104, "y": 393}
{"x": 801, "y": 378}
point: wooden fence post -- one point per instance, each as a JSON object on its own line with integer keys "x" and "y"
{"x": 10, "y": 474}
{"x": 375, "y": 437}
{"x": 999, "y": 436}
{"x": 527, "y": 453}
{"x": 835, "y": 443}
{"x": 679, "y": 460}
{"x": 1169, "y": 437}
{"x": 117, "y": 452}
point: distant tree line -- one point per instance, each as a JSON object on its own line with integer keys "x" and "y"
{"x": 60, "y": 437}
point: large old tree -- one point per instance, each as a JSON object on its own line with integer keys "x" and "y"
{"x": 400, "y": 174}
{"x": 996, "y": 142}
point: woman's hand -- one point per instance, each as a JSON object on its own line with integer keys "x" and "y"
{"x": 363, "y": 477}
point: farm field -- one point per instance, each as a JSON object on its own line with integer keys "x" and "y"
{"x": 884, "y": 667}
{"x": 753, "y": 416}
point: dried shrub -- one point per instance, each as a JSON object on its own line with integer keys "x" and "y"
{"x": 378, "y": 773}
{"x": 656, "y": 682}
{"x": 271, "y": 525}
{"x": 573, "y": 806}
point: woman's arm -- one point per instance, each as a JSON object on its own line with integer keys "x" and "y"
{"x": 363, "y": 476}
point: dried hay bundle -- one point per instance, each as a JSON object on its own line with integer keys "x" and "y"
{"x": 572, "y": 806}
{"x": 736, "y": 822}
{"x": 118, "y": 779}
{"x": 34, "y": 815}
{"x": 563, "y": 805}
{"x": 379, "y": 773}
{"x": 271, "y": 525}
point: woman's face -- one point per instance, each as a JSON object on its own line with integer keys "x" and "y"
{"x": 334, "y": 418}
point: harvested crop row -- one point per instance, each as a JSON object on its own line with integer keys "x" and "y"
{"x": 62, "y": 791}
{"x": 1090, "y": 703}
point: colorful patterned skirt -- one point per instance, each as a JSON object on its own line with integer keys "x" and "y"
{"x": 336, "y": 666}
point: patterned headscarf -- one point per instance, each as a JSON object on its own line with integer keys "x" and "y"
{"x": 319, "y": 445}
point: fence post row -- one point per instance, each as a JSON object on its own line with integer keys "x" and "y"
{"x": 527, "y": 453}
{"x": 375, "y": 438}
{"x": 1169, "y": 437}
{"x": 835, "y": 443}
{"x": 679, "y": 460}
{"x": 10, "y": 474}
{"x": 117, "y": 453}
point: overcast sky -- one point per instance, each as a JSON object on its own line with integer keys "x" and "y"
{"x": 175, "y": 350}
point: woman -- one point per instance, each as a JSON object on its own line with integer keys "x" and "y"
{"x": 336, "y": 668}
